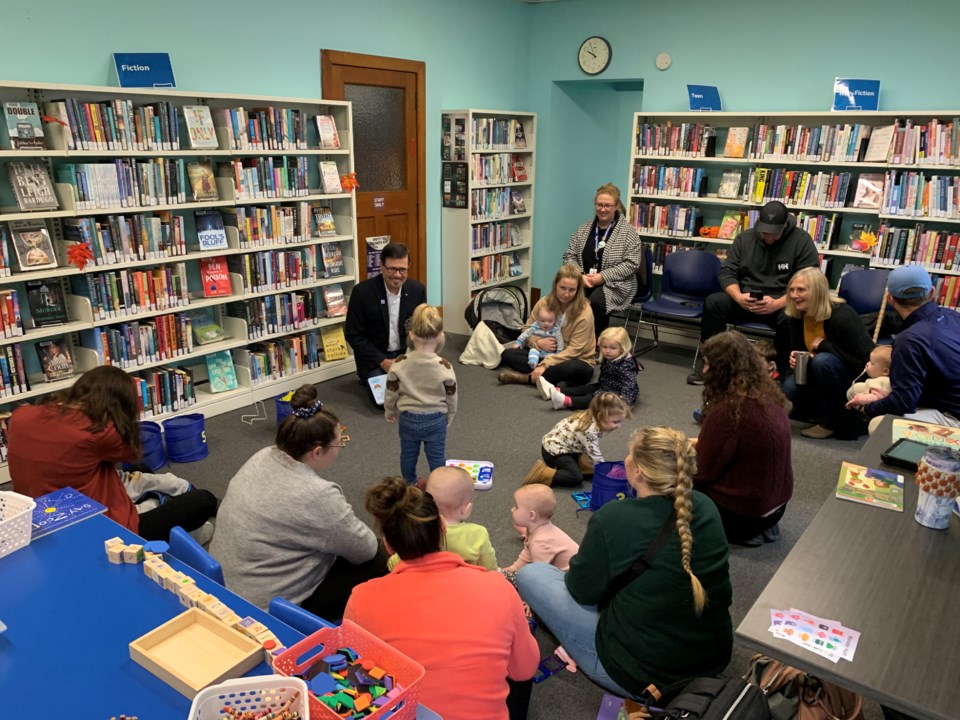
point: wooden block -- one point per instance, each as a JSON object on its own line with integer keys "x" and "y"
{"x": 193, "y": 651}
{"x": 133, "y": 554}
{"x": 115, "y": 553}
{"x": 112, "y": 541}
{"x": 231, "y": 620}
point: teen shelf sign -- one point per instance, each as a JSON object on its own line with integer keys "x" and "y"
{"x": 144, "y": 70}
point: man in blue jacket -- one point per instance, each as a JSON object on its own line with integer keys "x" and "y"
{"x": 754, "y": 280}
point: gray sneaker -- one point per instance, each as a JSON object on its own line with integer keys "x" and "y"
{"x": 203, "y": 534}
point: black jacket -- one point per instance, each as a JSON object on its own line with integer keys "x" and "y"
{"x": 754, "y": 265}
{"x": 844, "y": 335}
{"x": 367, "y": 328}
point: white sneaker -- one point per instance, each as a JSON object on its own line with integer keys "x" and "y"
{"x": 558, "y": 399}
{"x": 546, "y": 388}
{"x": 203, "y": 534}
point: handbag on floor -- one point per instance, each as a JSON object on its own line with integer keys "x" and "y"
{"x": 701, "y": 699}
{"x": 794, "y": 695}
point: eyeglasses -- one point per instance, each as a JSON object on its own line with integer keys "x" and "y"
{"x": 605, "y": 206}
{"x": 395, "y": 270}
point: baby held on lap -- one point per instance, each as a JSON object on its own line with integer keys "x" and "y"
{"x": 877, "y": 384}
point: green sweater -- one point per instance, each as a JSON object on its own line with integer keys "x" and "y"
{"x": 650, "y": 633}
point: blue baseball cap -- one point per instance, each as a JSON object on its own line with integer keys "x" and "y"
{"x": 909, "y": 282}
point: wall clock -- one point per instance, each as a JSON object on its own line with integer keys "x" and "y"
{"x": 594, "y": 55}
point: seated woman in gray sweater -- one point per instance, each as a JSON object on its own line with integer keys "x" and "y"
{"x": 284, "y": 530}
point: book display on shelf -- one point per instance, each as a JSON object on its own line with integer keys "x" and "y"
{"x": 488, "y": 171}
{"x": 736, "y": 143}
{"x": 334, "y": 300}
{"x": 730, "y": 184}
{"x": 125, "y": 163}
{"x": 330, "y": 177}
{"x": 24, "y": 129}
{"x": 334, "y": 342}
{"x": 332, "y": 259}
{"x": 869, "y": 193}
{"x": 327, "y": 131}
{"x": 215, "y": 277}
{"x": 220, "y": 371}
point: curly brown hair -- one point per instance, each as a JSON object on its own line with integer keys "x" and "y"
{"x": 734, "y": 372}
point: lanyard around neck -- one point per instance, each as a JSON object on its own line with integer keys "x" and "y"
{"x": 600, "y": 242}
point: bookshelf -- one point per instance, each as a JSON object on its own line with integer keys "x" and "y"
{"x": 488, "y": 175}
{"x": 896, "y": 174}
{"x": 123, "y": 183}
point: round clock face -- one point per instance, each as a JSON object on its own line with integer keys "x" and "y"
{"x": 594, "y": 55}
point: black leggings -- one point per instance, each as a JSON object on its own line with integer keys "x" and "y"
{"x": 189, "y": 510}
{"x": 567, "y": 466}
{"x": 598, "y": 303}
{"x": 571, "y": 372}
{"x": 741, "y": 528}
{"x": 581, "y": 396}
{"x": 331, "y": 595}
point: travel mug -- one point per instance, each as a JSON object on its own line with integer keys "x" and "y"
{"x": 800, "y": 370}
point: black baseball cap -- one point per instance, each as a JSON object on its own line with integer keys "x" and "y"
{"x": 773, "y": 218}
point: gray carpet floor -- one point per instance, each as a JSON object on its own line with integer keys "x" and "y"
{"x": 504, "y": 424}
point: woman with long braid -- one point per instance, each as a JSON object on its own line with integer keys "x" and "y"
{"x": 669, "y": 623}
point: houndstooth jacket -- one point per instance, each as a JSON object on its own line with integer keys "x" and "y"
{"x": 621, "y": 260}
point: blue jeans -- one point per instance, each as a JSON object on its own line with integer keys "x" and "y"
{"x": 825, "y": 393}
{"x": 543, "y": 588}
{"x": 427, "y": 428}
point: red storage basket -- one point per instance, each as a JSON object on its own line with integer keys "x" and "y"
{"x": 406, "y": 672}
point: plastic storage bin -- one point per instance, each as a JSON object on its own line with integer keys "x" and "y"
{"x": 151, "y": 436}
{"x": 267, "y": 693}
{"x": 16, "y": 521}
{"x": 283, "y": 406}
{"x": 186, "y": 438}
{"x": 405, "y": 671}
{"x": 609, "y": 483}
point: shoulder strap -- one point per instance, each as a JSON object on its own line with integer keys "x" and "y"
{"x": 642, "y": 564}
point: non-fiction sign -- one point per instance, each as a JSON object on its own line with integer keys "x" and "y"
{"x": 852, "y": 94}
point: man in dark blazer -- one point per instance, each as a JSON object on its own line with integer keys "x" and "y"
{"x": 380, "y": 307}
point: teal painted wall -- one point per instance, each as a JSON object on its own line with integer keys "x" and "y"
{"x": 504, "y": 54}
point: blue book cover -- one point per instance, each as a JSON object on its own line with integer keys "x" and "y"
{"x": 853, "y": 94}
{"x": 210, "y": 230}
{"x": 61, "y": 509}
{"x": 704, "y": 97}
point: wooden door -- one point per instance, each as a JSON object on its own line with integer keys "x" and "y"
{"x": 388, "y": 142}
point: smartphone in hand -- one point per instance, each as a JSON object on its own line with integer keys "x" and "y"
{"x": 756, "y": 295}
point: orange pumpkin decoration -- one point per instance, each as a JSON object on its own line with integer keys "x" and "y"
{"x": 710, "y": 231}
{"x": 705, "y": 231}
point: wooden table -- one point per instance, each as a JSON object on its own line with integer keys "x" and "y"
{"x": 885, "y": 575}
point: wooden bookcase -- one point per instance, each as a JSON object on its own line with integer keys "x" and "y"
{"x": 487, "y": 239}
{"x": 299, "y": 253}
{"x": 689, "y": 147}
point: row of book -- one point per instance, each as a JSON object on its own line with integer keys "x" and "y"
{"x": 494, "y": 268}
{"x": 117, "y": 124}
{"x": 453, "y": 143}
{"x": 661, "y": 249}
{"x": 679, "y": 220}
{"x": 684, "y": 139}
{"x": 824, "y": 229}
{"x": 275, "y": 224}
{"x": 496, "y": 203}
{"x": 126, "y": 238}
{"x": 282, "y": 269}
{"x": 499, "y": 168}
{"x": 130, "y": 344}
{"x": 122, "y": 293}
{"x": 286, "y": 312}
{"x": 495, "y": 236}
{"x": 914, "y": 195}
{"x": 933, "y": 249}
{"x": 11, "y": 322}
{"x": 164, "y": 389}
{"x": 669, "y": 180}
{"x": 497, "y": 134}
{"x": 946, "y": 290}
{"x": 798, "y": 187}
{"x": 56, "y": 363}
{"x": 837, "y": 143}
{"x": 128, "y": 183}
{"x": 273, "y": 128}
{"x": 268, "y": 177}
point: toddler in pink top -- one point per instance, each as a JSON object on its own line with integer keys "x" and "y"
{"x": 533, "y": 508}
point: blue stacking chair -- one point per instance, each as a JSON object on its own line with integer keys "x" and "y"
{"x": 689, "y": 276}
{"x": 644, "y": 295}
{"x": 863, "y": 290}
{"x": 296, "y": 617}
{"x": 188, "y": 551}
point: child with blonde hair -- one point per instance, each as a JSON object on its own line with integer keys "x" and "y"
{"x": 421, "y": 394}
{"x": 546, "y": 326}
{"x": 618, "y": 374}
{"x": 575, "y": 435}
{"x": 452, "y": 491}
{"x": 533, "y": 509}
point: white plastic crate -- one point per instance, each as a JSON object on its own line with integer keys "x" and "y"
{"x": 16, "y": 516}
{"x": 251, "y": 694}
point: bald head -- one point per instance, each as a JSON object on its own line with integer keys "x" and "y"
{"x": 451, "y": 488}
{"x": 538, "y": 497}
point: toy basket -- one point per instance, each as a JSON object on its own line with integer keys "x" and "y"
{"x": 283, "y": 406}
{"x": 405, "y": 671}
{"x": 250, "y": 694}
{"x": 186, "y": 438}
{"x": 16, "y": 516}
{"x": 609, "y": 483}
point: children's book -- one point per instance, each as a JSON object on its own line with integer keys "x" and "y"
{"x": 24, "y": 129}
{"x": 519, "y": 136}
{"x": 210, "y": 230}
{"x": 62, "y": 508}
{"x": 204, "y": 325}
{"x": 330, "y": 177}
{"x": 332, "y": 259}
{"x": 327, "y": 130}
{"x": 378, "y": 387}
{"x": 215, "y": 276}
{"x": 926, "y": 433}
{"x": 869, "y": 191}
{"x": 334, "y": 342}
{"x": 730, "y": 184}
{"x": 334, "y": 300}
{"x": 47, "y": 306}
{"x": 55, "y": 358}
{"x": 220, "y": 371}
{"x": 517, "y": 205}
{"x": 736, "y": 143}
{"x": 32, "y": 186}
{"x": 870, "y": 486}
{"x": 200, "y": 129}
{"x": 202, "y": 182}
{"x": 32, "y": 245}
{"x": 729, "y": 226}
{"x": 323, "y": 217}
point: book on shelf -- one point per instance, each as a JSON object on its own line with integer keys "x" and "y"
{"x": 869, "y": 192}
{"x": 210, "y": 230}
{"x": 204, "y": 326}
{"x": 517, "y": 204}
{"x": 13, "y": 377}
{"x": 47, "y": 306}
{"x": 31, "y": 245}
{"x": 215, "y": 276}
{"x": 736, "y": 144}
{"x": 730, "y": 225}
{"x": 330, "y": 177}
{"x": 870, "y": 486}
{"x": 334, "y": 299}
{"x": 323, "y": 217}
{"x": 202, "y": 182}
{"x": 878, "y": 148}
{"x": 327, "y": 131}
{"x": 857, "y": 229}
{"x": 516, "y": 267}
{"x": 334, "y": 342}
{"x": 220, "y": 371}
{"x": 201, "y": 133}
{"x": 332, "y": 259}
{"x": 518, "y": 171}
{"x": 519, "y": 136}
{"x": 32, "y": 186}
{"x": 24, "y": 129}
{"x": 55, "y": 358}
{"x": 62, "y": 508}
{"x": 730, "y": 184}
{"x": 6, "y": 252}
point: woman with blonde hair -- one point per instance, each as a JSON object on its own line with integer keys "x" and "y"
{"x": 574, "y": 364}
{"x": 608, "y": 252}
{"x": 628, "y": 629}
{"x": 839, "y": 346}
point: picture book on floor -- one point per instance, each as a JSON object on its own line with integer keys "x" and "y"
{"x": 47, "y": 306}
{"x": 736, "y": 143}
{"x": 200, "y": 130}
{"x": 220, "y": 371}
{"x": 334, "y": 342}
{"x": 62, "y": 508}
{"x": 32, "y": 245}
{"x": 330, "y": 177}
{"x": 210, "y": 230}
{"x": 215, "y": 276}
{"x": 24, "y": 129}
{"x": 870, "y": 486}
{"x": 327, "y": 131}
{"x": 204, "y": 325}
{"x": 323, "y": 217}
{"x": 202, "y": 181}
{"x": 334, "y": 300}
{"x": 332, "y": 259}
{"x": 32, "y": 186}
{"x": 55, "y": 359}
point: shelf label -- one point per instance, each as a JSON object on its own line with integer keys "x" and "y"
{"x": 704, "y": 98}
{"x": 852, "y": 94}
{"x": 143, "y": 70}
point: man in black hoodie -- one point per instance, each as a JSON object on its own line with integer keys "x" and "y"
{"x": 754, "y": 280}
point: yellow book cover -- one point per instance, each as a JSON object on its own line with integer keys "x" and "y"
{"x": 334, "y": 342}
{"x": 736, "y": 143}
{"x": 870, "y": 486}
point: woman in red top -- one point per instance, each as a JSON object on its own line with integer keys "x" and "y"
{"x": 463, "y": 624}
{"x": 76, "y": 437}
{"x": 743, "y": 453}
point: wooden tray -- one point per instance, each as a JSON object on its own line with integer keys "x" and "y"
{"x": 195, "y": 650}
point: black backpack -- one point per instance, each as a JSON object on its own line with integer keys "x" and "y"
{"x": 503, "y": 309}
